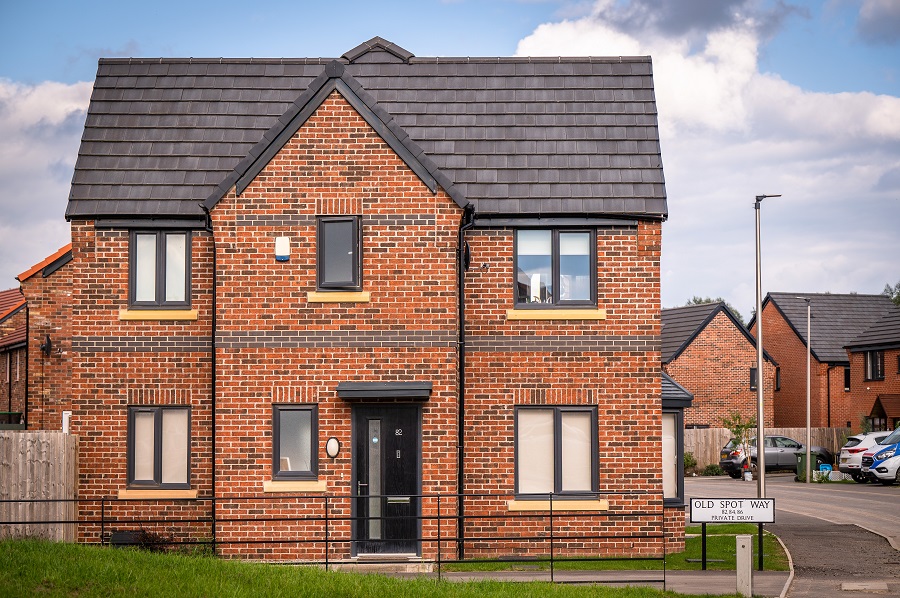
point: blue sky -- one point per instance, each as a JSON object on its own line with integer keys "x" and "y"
{"x": 754, "y": 96}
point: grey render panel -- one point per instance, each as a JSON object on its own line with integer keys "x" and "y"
{"x": 510, "y": 135}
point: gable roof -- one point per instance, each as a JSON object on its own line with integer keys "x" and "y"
{"x": 49, "y": 264}
{"x": 512, "y": 136}
{"x": 835, "y": 319}
{"x": 681, "y": 325}
{"x": 883, "y": 334}
{"x": 11, "y": 303}
{"x": 889, "y": 404}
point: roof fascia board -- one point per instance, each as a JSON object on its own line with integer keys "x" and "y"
{"x": 695, "y": 334}
{"x": 168, "y": 223}
{"x": 56, "y": 264}
{"x": 13, "y": 347}
{"x": 482, "y": 221}
{"x": 720, "y": 308}
{"x": 12, "y": 311}
{"x": 873, "y": 347}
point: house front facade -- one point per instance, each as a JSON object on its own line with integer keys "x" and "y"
{"x": 13, "y": 357}
{"x": 710, "y": 353}
{"x": 875, "y": 372}
{"x": 379, "y": 303}
{"x": 836, "y": 397}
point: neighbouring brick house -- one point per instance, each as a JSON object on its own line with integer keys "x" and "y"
{"x": 296, "y": 281}
{"x": 47, "y": 290}
{"x": 13, "y": 356}
{"x": 711, "y": 354}
{"x": 836, "y": 320}
{"x": 875, "y": 372}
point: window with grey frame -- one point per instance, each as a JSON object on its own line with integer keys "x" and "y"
{"x": 673, "y": 456}
{"x": 294, "y": 438}
{"x": 555, "y": 451}
{"x": 159, "y": 446}
{"x": 160, "y": 269}
{"x": 555, "y": 268}
{"x": 874, "y": 365}
{"x": 846, "y": 378}
{"x": 338, "y": 251}
{"x": 753, "y": 378}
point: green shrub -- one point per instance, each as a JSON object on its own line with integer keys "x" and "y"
{"x": 712, "y": 469}
{"x": 689, "y": 462}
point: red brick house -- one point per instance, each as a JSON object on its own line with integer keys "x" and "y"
{"x": 875, "y": 371}
{"x": 836, "y": 320}
{"x": 354, "y": 289}
{"x": 711, "y": 354}
{"x": 13, "y": 357}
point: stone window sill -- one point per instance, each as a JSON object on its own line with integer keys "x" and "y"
{"x": 300, "y": 487}
{"x": 559, "y": 505}
{"x": 157, "y": 314}
{"x": 337, "y": 297}
{"x": 161, "y": 494}
{"x": 556, "y": 314}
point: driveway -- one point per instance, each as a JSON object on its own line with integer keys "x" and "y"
{"x": 844, "y": 538}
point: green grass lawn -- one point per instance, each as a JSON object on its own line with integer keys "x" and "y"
{"x": 720, "y": 555}
{"x": 36, "y": 568}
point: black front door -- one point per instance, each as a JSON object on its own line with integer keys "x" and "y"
{"x": 386, "y": 465}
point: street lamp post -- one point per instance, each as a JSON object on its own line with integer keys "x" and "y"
{"x": 808, "y": 351}
{"x": 760, "y": 426}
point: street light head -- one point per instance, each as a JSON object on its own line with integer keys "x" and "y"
{"x": 762, "y": 197}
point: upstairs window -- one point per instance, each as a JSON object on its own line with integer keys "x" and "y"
{"x": 752, "y": 378}
{"x": 874, "y": 365}
{"x": 338, "y": 253}
{"x": 160, "y": 268}
{"x": 159, "y": 447}
{"x": 846, "y": 378}
{"x": 555, "y": 268}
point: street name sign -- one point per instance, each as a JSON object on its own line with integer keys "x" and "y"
{"x": 732, "y": 510}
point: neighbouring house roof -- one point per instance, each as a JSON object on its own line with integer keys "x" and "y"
{"x": 512, "y": 136}
{"x": 674, "y": 394}
{"x": 681, "y": 325}
{"x": 49, "y": 264}
{"x": 11, "y": 303}
{"x": 835, "y": 319}
{"x": 890, "y": 404}
{"x": 883, "y": 334}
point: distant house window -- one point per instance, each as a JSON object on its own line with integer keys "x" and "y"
{"x": 160, "y": 269}
{"x": 556, "y": 450}
{"x": 874, "y": 365}
{"x": 846, "y": 378}
{"x": 159, "y": 447}
{"x": 752, "y": 378}
{"x": 294, "y": 440}
{"x": 778, "y": 378}
{"x": 338, "y": 253}
{"x": 555, "y": 268}
{"x": 673, "y": 455}
{"x": 17, "y": 366}
{"x": 898, "y": 364}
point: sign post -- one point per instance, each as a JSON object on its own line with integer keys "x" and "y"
{"x": 733, "y": 510}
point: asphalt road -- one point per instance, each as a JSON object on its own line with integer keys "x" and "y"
{"x": 844, "y": 539}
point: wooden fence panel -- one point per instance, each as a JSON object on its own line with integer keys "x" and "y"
{"x": 38, "y": 465}
{"x": 706, "y": 443}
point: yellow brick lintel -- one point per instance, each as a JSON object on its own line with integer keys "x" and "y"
{"x": 158, "y": 314}
{"x": 556, "y": 314}
{"x": 160, "y": 494}
{"x": 559, "y": 505}
{"x": 337, "y": 297}
{"x": 301, "y": 487}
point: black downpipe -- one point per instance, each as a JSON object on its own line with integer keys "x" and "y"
{"x": 468, "y": 221}
{"x": 212, "y": 376}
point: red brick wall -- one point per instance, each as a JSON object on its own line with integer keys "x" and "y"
{"x": 49, "y": 314}
{"x": 13, "y": 364}
{"x": 827, "y": 408}
{"x": 716, "y": 369}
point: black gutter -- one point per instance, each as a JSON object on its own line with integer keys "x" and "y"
{"x": 467, "y": 222}
{"x": 212, "y": 377}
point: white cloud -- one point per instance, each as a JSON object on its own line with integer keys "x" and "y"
{"x": 730, "y": 132}
{"x": 41, "y": 127}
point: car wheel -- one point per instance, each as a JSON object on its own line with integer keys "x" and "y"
{"x": 859, "y": 478}
{"x": 734, "y": 475}
{"x": 887, "y": 482}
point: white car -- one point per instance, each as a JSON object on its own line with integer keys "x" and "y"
{"x": 888, "y": 471}
{"x": 852, "y": 453}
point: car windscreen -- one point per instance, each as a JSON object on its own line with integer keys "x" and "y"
{"x": 892, "y": 439}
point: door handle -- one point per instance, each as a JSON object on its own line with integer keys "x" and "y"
{"x": 359, "y": 487}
